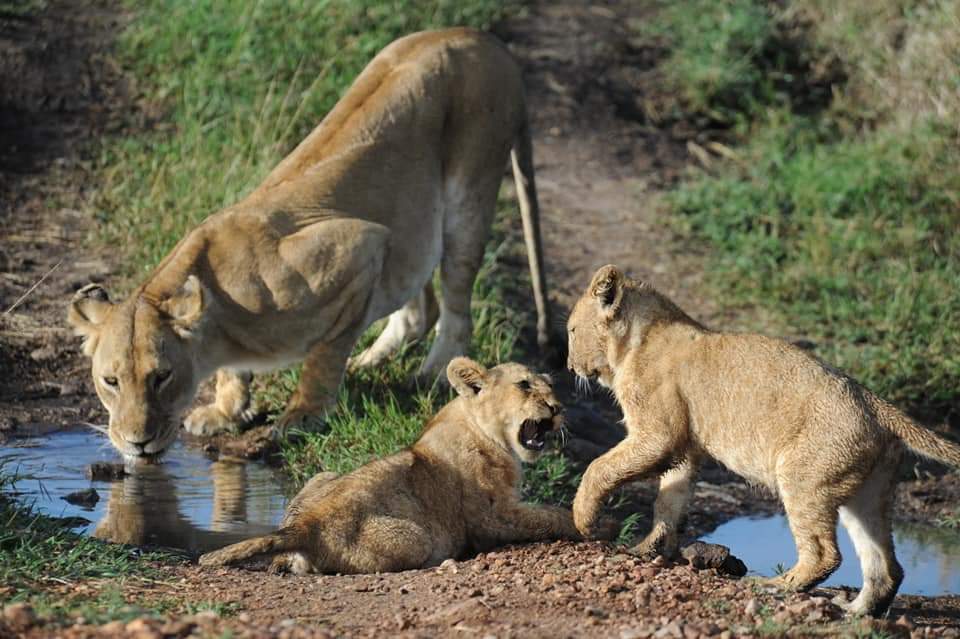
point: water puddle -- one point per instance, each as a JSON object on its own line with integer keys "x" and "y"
{"x": 188, "y": 501}
{"x": 930, "y": 556}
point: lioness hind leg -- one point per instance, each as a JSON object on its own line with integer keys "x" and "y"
{"x": 466, "y": 229}
{"x": 867, "y": 517}
{"x": 230, "y": 409}
{"x": 413, "y": 321}
{"x": 813, "y": 522}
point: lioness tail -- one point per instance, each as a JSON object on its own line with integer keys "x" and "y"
{"x": 917, "y": 438}
{"x": 521, "y": 157}
{"x": 283, "y": 540}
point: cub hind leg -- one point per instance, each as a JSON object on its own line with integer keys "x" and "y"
{"x": 812, "y": 515}
{"x": 408, "y": 324}
{"x": 867, "y": 517}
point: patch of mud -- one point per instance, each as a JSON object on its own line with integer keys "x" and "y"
{"x": 60, "y": 90}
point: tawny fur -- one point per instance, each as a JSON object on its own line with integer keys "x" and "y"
{"x": 456, "y": 490}
{"x": 766, "y": 409}
{"x": 400, "y": 178}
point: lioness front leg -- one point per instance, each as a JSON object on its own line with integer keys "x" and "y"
{"x": 230, "y": 409}
{"x": 320, "y": 377}
{"x": 676, "y": 488}
{"x": 631, "y": 459}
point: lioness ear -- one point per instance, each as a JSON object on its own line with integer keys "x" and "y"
{"x": 184, "y": 307}
{"x": 87, "y": 311}
{"x": 466, "y": 376}
{"x": 607, "y": 287}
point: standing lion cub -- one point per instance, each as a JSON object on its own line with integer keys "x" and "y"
{"x": 456, "y": 489}
{"x": 767, "y": 410}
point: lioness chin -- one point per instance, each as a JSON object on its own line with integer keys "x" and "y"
{"x": 400, "y": 178}
{"x": 455, "y": 490}
{"x": 767, "y": 410}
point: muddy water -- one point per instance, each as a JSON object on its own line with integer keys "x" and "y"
{"x": 930, "y": 556}
{"x": 187, "y": 502}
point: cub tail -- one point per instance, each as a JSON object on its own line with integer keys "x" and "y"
{"x": 283, "y": 540}
{"x": 917, "y": 438}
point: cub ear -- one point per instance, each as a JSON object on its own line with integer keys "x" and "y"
{"x": 185, "y": 307}
{"x": 466, "y": 376}
{"x": 607, "y": 287}
{"x": 87, "y": 311}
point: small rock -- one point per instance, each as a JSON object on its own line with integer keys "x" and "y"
{"x": 141, "y": 629}
{"x": 112, "y": 628}
{"x": 85, "y": 498}
{"x": 19, "y": 615}
{"x": 177, "y": 628}
{"x": 548, "y": 580}
{"x": 106, "y": 471}
{"x": 449, "y": 565}
{"x": 702, "y": 556}
{"x": 752, "y": 607}
{"x": 206, "y": 616}
{"x": 593, "y": 611}
{"x": 672, "y": 629}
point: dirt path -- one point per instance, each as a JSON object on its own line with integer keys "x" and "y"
{"x": 601, "y": 166}
{"x": 60, "y": 89}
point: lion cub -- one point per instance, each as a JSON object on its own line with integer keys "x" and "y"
{"x": 456, "y": 489}
{"x": 767, "y": 410}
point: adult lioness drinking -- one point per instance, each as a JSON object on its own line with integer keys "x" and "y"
{"x": 769, "y": 411}
{"x": 456, "y": 489}
{"x": 400, "y": 177}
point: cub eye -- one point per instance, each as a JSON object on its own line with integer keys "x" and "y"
{"x": 523, "y": 385}
{"x": 110, "y": 381}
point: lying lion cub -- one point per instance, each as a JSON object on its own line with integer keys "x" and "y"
{"x": 766, "y": 409}
{"x": 456, "y": 489}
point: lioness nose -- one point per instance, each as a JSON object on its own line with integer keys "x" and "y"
{"x": 141, "y": 443}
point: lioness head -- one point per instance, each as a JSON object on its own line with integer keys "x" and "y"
{"x": 142, "y": 361}
{"x": 510, "y": 403}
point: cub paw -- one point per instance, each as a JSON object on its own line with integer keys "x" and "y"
{"x": 209, "y": 420}
{"x": 656, "y": 544}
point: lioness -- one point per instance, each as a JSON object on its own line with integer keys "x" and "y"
{"x": 456, "y": 489}
{"x": 767, "y": 410}
{"x": 400, "y": 177}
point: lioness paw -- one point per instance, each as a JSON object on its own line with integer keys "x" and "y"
{"x": 209, "y": 420}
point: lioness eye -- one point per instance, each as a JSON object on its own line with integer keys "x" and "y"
{"x": 110, "y": 381}
{"x": 160, "y": 377}
{"x": 523, "y": 385}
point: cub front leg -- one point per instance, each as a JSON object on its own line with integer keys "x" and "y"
{"x": 230, "y": 409}
{"x": 527, "y": 522}
{"x": 631, "y": 459}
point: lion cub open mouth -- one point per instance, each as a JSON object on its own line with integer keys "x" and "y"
{"x": 533, "y": 433}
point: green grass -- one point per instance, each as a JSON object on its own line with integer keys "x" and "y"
{"x": 841, "y": 222}
{"x": 39, "y": 553}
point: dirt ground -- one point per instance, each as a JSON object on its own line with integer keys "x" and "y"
{"x": 601, "y": 163}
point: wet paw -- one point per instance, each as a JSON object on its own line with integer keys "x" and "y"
{"x": 653, "y": 546}
{"x": 209, "y": 420}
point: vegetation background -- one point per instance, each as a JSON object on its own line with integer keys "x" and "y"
{"x": 831, "y": 197}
